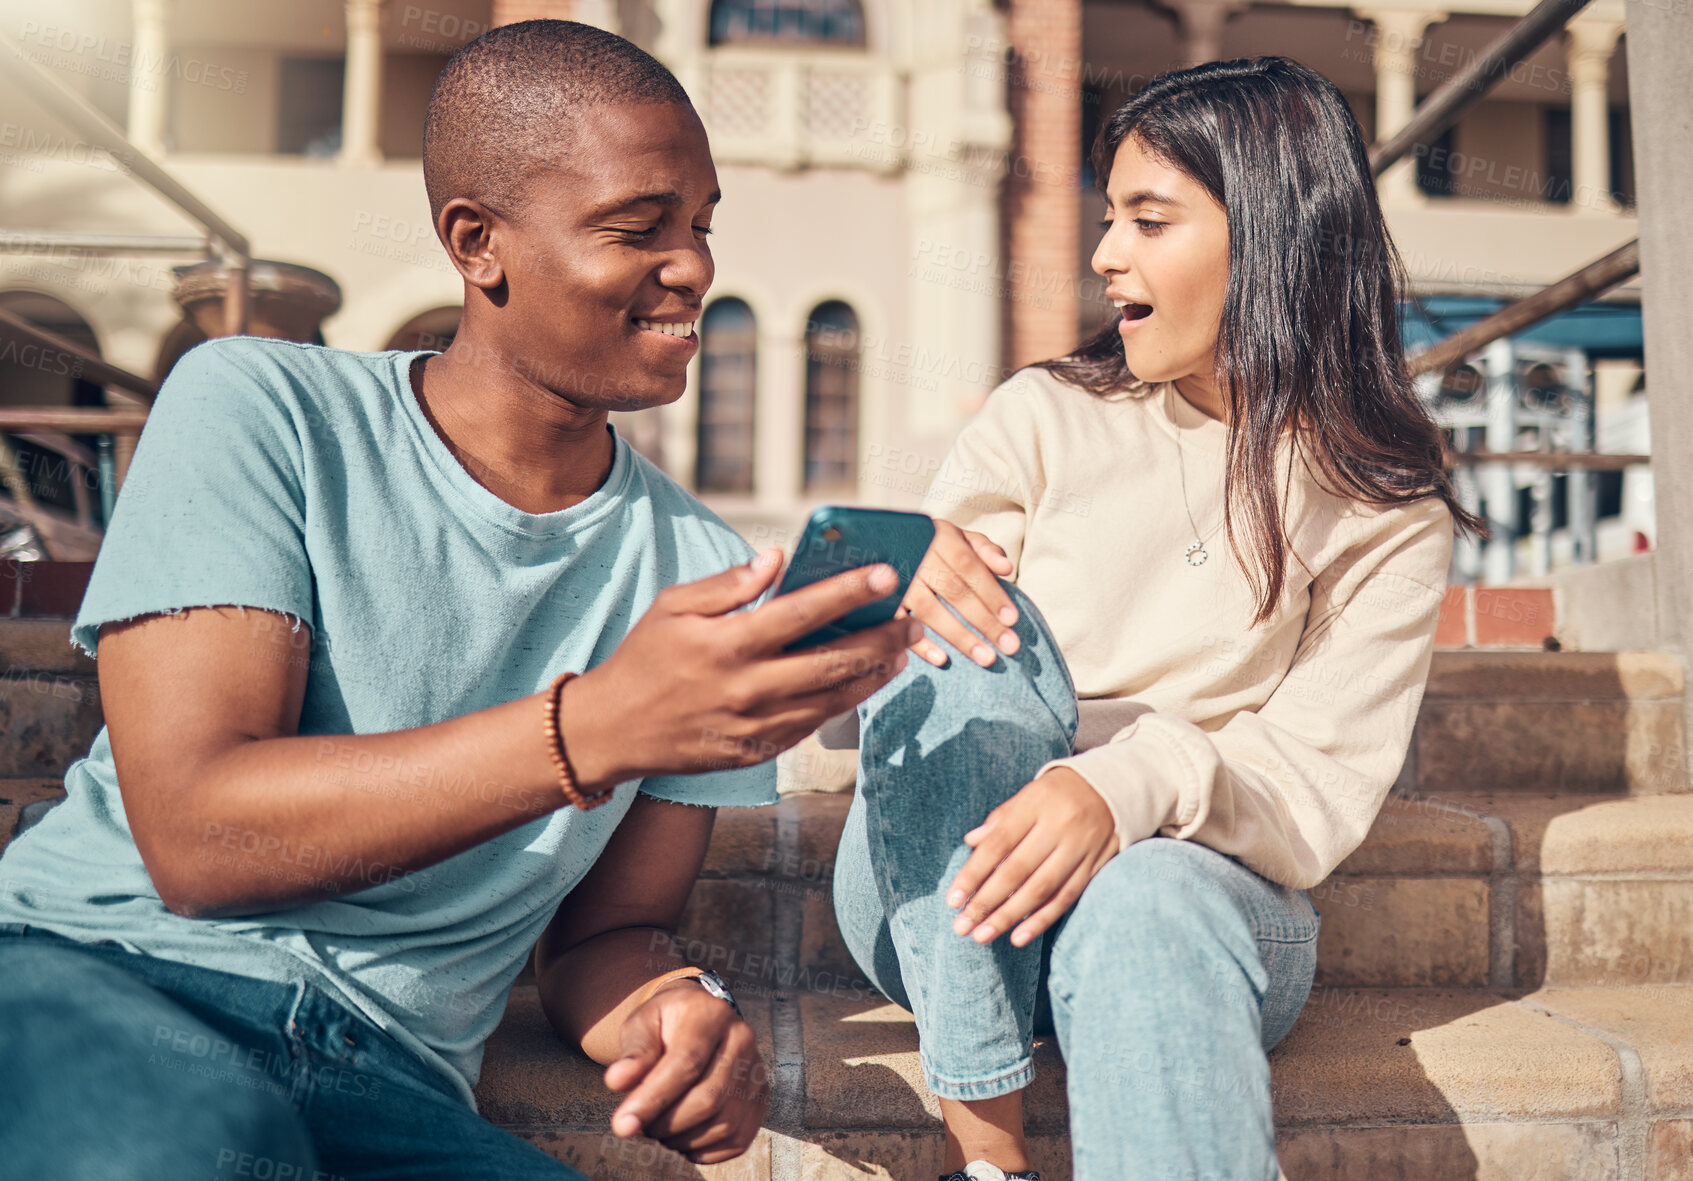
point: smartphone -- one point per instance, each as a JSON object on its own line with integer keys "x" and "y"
{"x": 837, "y": 539}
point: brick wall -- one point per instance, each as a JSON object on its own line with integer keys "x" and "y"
{"x": 1042, "y": 213}
{"x": 1496, "y": 617}
{"x": 509, "y": 12}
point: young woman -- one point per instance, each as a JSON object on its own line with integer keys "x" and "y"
{"x": 1232, "y": 512}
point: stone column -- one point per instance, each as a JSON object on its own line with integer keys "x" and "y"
{"x": 602, "y": 14}
{"x": 1660, "y": 77}
{"x": 361, "y": 98}
{"x": 678, "y": 36}
{"x": 1397, "y": 39}
{"x": 934, "y": 366}
{"x": 1588, "y": 45}
{"x": 509, "y": 12}
{"x": 1042, "y": 198}
{"x": 778, "y": 471}
{"x": 1202, "y": 28}
{"x": 149, "y": 83}
{"x": 1498, "y": 482}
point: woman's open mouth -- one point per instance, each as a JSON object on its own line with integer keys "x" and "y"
{"x": 1133, "y": 314}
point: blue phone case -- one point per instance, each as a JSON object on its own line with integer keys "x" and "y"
{"x": 838, "y": 538}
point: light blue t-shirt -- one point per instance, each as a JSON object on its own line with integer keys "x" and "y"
{"x": 307, "y": 481}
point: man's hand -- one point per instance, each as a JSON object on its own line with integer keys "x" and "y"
{"x": 699, "y": 1084}
{"x": 1034, "y": 855}
{"x": 698, "y": 685}
{"x": 963, "y": 568}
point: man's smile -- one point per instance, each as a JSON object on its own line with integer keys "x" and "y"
{"x": 677, "y": 328}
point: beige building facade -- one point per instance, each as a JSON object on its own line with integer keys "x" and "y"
{"x": 907, "y": 212}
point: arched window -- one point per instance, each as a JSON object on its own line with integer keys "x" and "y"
{"x": 830, "y": 22}
{"x": 50, "y": 478}
{"x": 831, "y": 399}
{"x": 723, "y": 457}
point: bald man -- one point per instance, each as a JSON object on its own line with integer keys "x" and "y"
{"x": 346, "y": 783}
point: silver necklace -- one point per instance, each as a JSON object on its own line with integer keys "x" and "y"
{"x": 1196, "y": 554}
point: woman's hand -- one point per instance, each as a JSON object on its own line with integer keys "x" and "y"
{"x": 961, "y": 567}
{"x": 1034, "y": 855}
{"x": 700, "y": 1085}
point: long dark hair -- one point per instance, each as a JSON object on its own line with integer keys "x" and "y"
{"x": 1309, "y": 340}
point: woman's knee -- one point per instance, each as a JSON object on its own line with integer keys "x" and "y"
{"x": 1029, "y": 691}
{"x": 1040, "y": 661}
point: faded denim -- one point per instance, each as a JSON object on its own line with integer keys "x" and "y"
{"x": 1167, "y": 983}
{"x": 127, "y": 1067}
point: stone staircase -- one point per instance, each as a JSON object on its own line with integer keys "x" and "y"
{"x": 1502, "y": 990}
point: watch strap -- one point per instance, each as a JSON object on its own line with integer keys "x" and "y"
{"x": 715, "y": 985}
{"x": 658, "y": 983}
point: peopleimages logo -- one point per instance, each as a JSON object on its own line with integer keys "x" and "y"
{"x": 44, "y": 144}
{"x": 124, "y": 59}
{"x": 432, "y": 28}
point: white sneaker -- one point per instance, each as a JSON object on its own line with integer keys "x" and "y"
{"x": 981, "y": 1170}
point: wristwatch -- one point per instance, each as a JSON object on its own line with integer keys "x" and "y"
{"x": 713, "y": 983}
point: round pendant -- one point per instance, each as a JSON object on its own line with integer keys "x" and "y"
{"x": 1196, "y": 554}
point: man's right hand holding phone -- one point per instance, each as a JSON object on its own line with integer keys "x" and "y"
{"x": 963, "y": 568}
{"x": 698, "y": 684}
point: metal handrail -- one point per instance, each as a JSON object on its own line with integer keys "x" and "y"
{"x": 102, "y": 133}
{"x": 54, "y": 241}
{"x": 76, "y": 420}
{"x": 1468, "y": 86}
{"x": 1440, "y": 111}
{"x": 1581, "y": 461}
{"x": 233, "y": 246}
{"x": 89, "y": 365}
{"x": 1589, "y": 282}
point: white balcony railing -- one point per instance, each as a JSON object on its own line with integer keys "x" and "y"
{"x": 791, "y": 110}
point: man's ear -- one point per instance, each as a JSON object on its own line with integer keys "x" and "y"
{"x": 473, "y": 235}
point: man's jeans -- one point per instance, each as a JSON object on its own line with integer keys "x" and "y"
{"x": 123, "y": 1067}
{"x": 1167, "y": 983}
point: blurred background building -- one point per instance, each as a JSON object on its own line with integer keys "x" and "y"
{"x": 908, "y": 216}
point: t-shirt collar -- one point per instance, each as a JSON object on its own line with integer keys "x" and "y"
{"x": 462, "y": 489}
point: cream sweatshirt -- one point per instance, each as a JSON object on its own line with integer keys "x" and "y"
{"x": 1276, "y": 744}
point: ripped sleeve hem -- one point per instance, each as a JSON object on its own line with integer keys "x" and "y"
{"x": 91, "y": 627}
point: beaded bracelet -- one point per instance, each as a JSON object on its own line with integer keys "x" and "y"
{"x": 555, "y": 747}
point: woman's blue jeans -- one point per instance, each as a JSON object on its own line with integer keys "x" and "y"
{"x": 125, "y": 1067}
{"x": 1167, "y": 983}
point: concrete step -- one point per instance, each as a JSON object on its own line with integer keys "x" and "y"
{"x": 24, "y": 801}
{"x": 49, "y": 699}
{"x": 1583, "y": 722}
{"x": 1462, "y": 891}
{"x": 1508, "y": 892}
{"x": 41, "y": 645}
{"x": 1424, "y": 1083}
{"x": 1395, "y": 1083}
{"x": 1515, "y": 891}
{"x": 1499, "y": 721}
{"x": 1578, "y": 722}
{"x": 1541, "y": 943}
